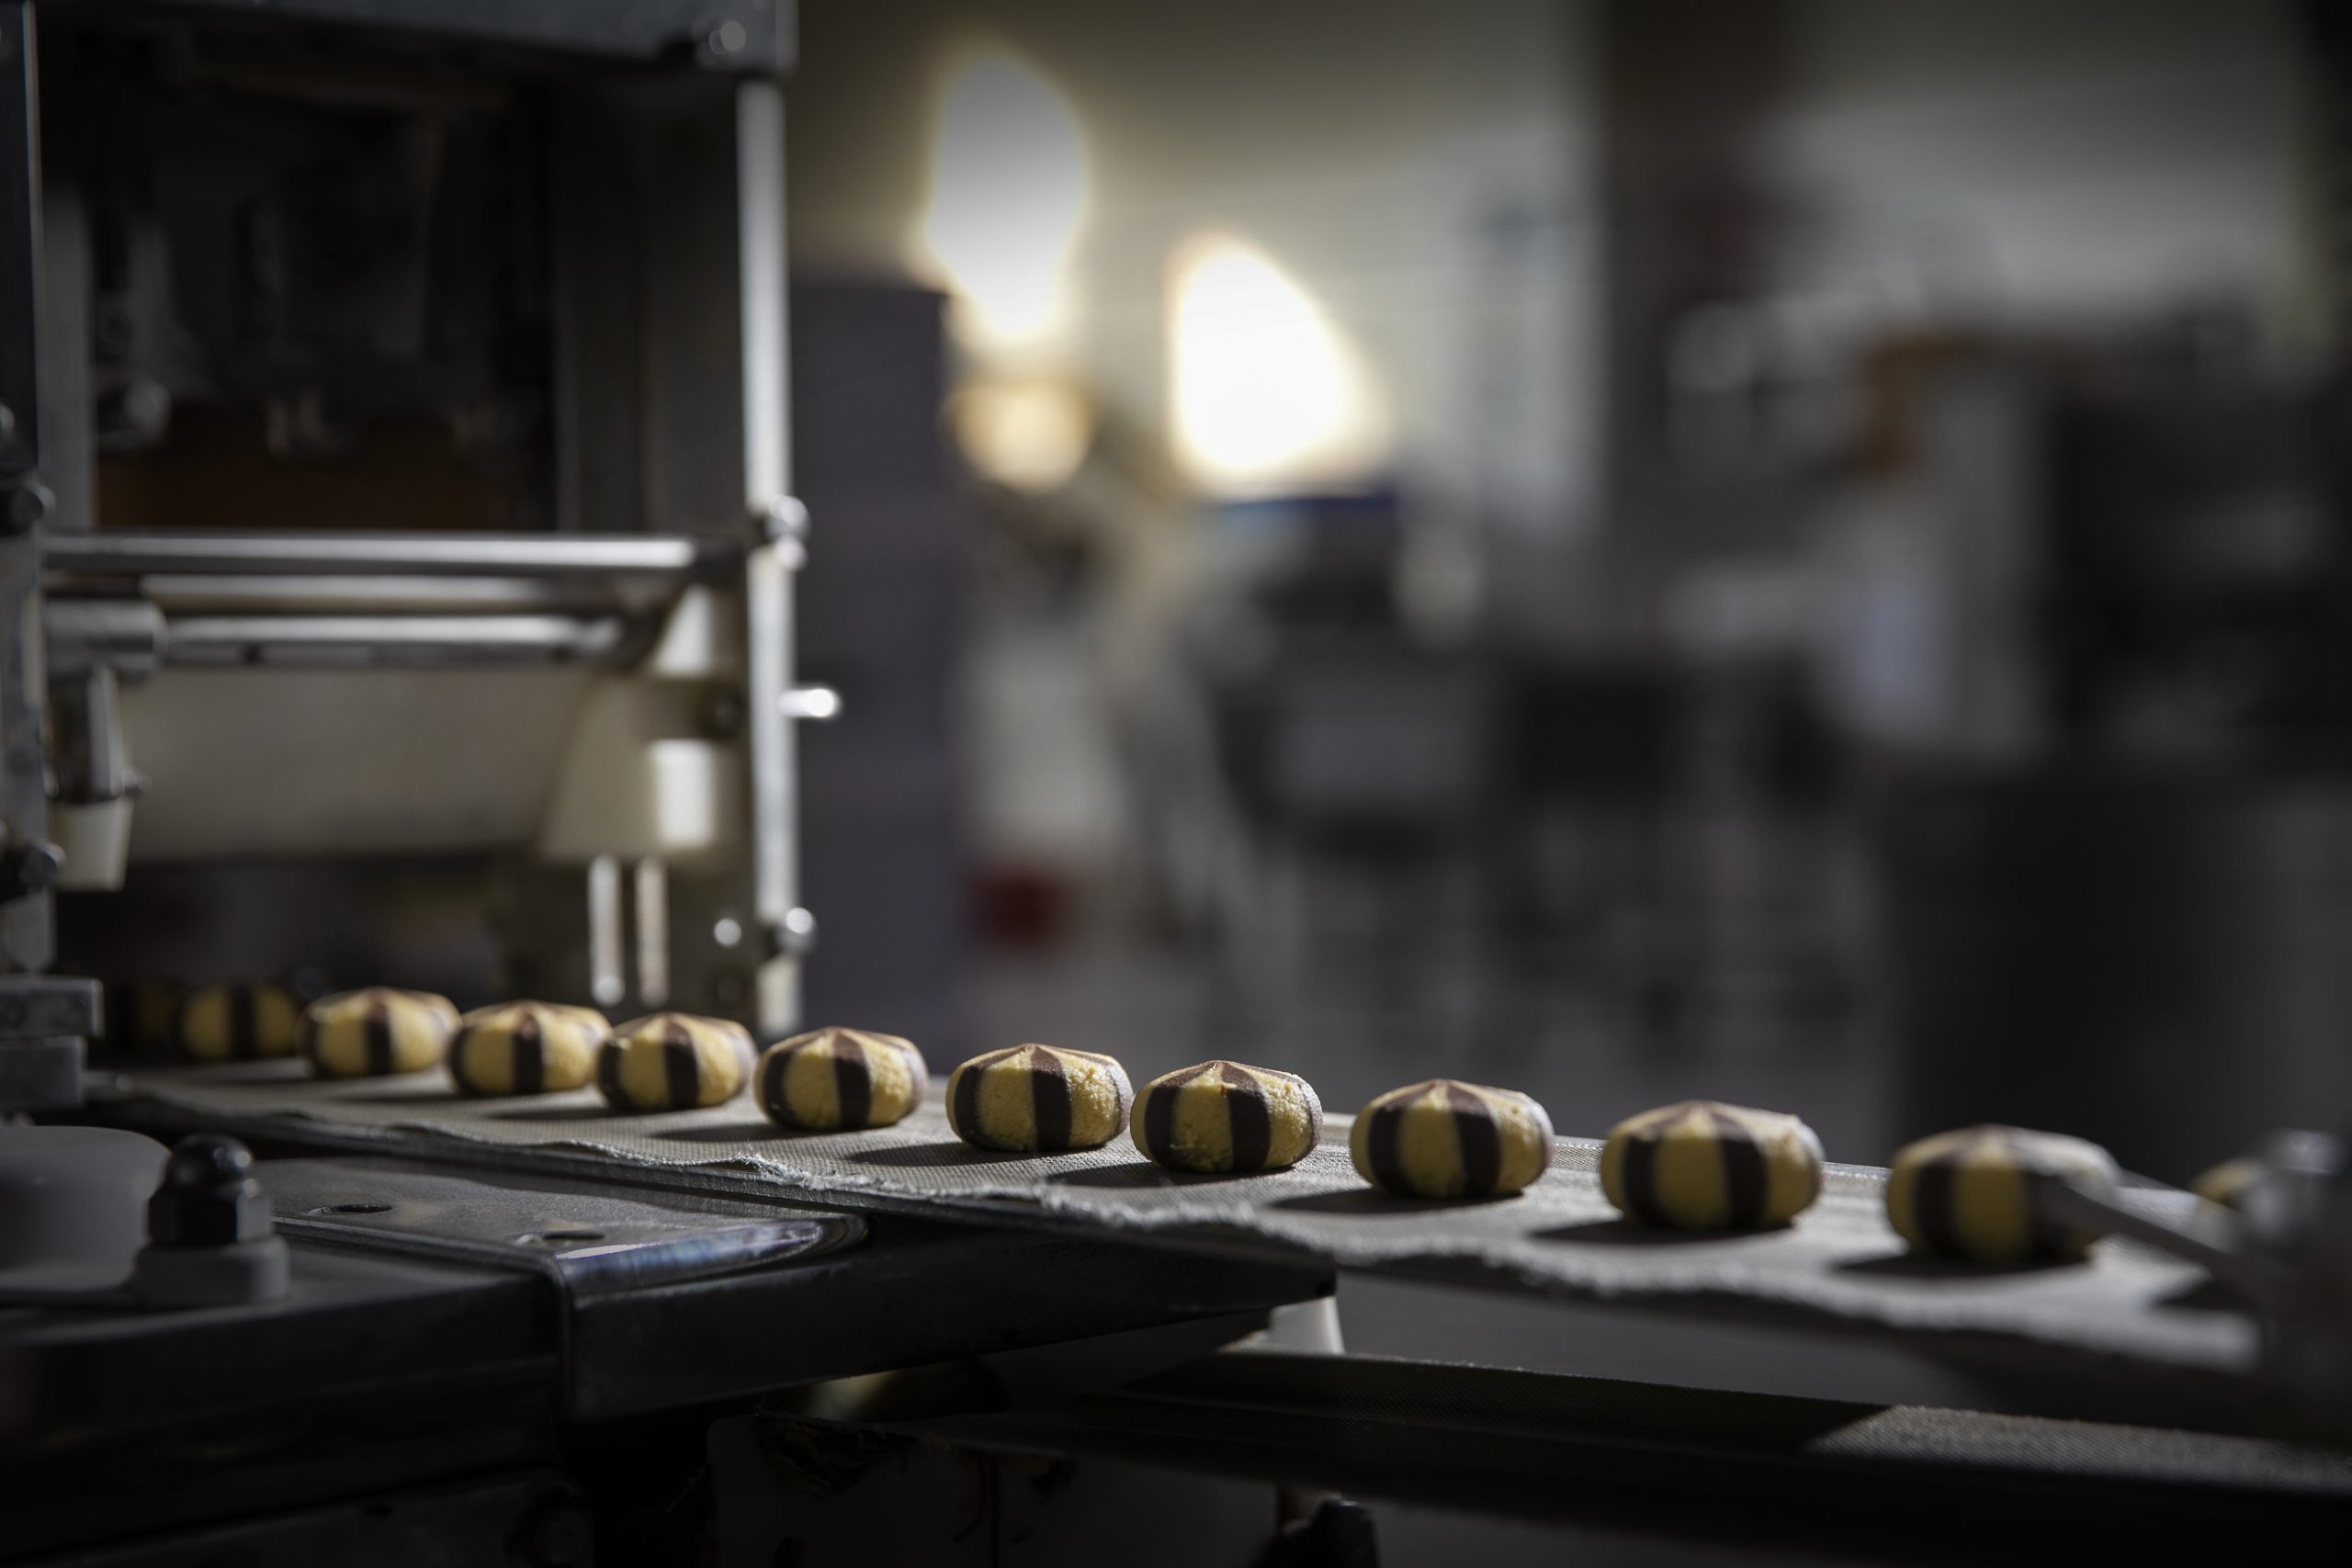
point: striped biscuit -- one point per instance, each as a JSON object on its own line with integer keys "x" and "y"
{"x": 2228, "y": 1183}
{"x": 1444, "y": 1139}
{"x": 1981, "y": 1194}
{"x": 1701, "y": 1165}
{"x": 673, "y": 1061}
{"x": 377, "y": 1032}
{"x": 831, "y": 1079}
{"x": 1223, "y": 1117}
{"x": 526, "y": 1048}
{"x": 222, "y": 1024}
{"x": 1038, "y": 1099}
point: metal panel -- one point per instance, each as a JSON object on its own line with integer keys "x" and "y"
{"x": 48, "y": 1005}
{"x": 750, "y": 36}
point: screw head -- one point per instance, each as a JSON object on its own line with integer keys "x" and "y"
{"x": 28, "y": 505}
{"x": 723, "y": 41}
{"x": 793, "y": 936}
{"x": 27, "y": 868}
{"x": 787, "y": 520}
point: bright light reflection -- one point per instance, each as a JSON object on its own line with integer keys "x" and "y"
{"x": 1266, "y": 395}
{"x": 1008, "y": 195}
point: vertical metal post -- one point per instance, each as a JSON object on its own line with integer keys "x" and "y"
{"x": 27, "y": 863}
{"x": 767, "y": 579}
{"x": 19, "y": 242}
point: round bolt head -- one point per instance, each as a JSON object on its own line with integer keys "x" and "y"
{"x": 31, "y": 868}
{"x": 202, "y": 1161}
{"x": 28, "y": 505}
{"x": 787, "y": 519}
{"x": 723, "y": 41}
{"x": 208, "y": 1196}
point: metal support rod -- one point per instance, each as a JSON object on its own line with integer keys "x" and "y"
{"x": 20, "y": 242}
{"x": 191, "y": 551}
{"x": 651, "y": 912}
{"x": 394, "y": 639}
{"x": 767, "y": 578}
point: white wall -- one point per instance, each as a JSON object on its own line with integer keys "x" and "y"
{"x": 1418, "y": 168}
{"x": 2022, "y": 161}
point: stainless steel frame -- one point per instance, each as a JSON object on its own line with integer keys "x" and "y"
{"x": 672, "y": 473}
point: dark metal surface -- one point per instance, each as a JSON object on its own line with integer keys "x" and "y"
{"x": 39, "y": 1074}
{"x": 351, "y": 1327}
{"x": 685, "y": 1298}
{"x": 538, "y": 1519}
{"x": 1768, "y": 1474}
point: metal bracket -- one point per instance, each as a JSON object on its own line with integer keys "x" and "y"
{"x": 35, "y": 1006}
{"x": 587, "y": 1240}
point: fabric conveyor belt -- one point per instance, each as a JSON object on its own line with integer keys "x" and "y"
{"x": 1839, "y": 1264}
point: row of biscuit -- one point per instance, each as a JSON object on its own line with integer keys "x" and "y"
{"x": 1980, "y": 1193}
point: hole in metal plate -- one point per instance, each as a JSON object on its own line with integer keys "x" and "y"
{"x": 352, "y": 1209}
{"x": 558, "y": 1238}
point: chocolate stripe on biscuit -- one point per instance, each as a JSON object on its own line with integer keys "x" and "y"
{"x": 1640, "y": 1175}
{"x": 963, "y": 1106}
{"x": 1746, "y": 1180}
{"x": 1480, "y": 1139}
{"x": 1160, "y": 1110}
{"x": 1384, "y": 1141}
{"x": 852, "y": 1080}
{"x": 2052, "y": 1238}
{"x": 530, "y": 1063}
{"x": 1247, "y": 1116}
{"x": 377, "y": 1032}
{"x": 681, "y": 1065}
{"x": 609, "y": 1057}
{"x": 1934, "y": 1205}
{"x": 772, "y": 1100}
{"x": 245, "y": 1029}
{"x": 1049, "y": 1098}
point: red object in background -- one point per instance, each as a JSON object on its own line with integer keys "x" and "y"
{"x": 1021, "y": 906}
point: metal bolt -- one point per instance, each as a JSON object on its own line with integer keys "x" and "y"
{"x": 787, "y": 520}
{"x": 722, "y": 712}
{"x": 793, "y": 936}
{"x": 30, "y": 867}
{"x": 28, "y": 505}
{"x": 208, "y": 1197}
{"x": 722, "y": 41}
{"x": 560, "y": 1535}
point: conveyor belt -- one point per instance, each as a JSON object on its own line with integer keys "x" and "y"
{"x": 1838, "y": 1262}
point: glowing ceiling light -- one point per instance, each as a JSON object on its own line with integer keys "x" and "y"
{"x": 1008, "y": 195}
{"x": 1266, "y": 394}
